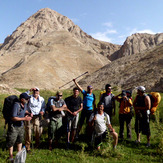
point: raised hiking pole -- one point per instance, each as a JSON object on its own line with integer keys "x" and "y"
{"x": 71, "y": 80}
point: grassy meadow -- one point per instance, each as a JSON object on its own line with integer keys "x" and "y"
{"x": 81, "y": 151}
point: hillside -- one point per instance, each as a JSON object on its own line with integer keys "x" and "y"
{"x": 130, "y": 71}
{"x": 48, "y": 50}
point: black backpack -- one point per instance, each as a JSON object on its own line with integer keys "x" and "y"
{"x": 8, "y": 106}
{"x": 47, "y": 110}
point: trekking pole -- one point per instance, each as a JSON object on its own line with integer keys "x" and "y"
{"x": 32, "y": 130}
{"x": 71, "y": 80}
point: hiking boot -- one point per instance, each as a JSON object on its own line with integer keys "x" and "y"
{"x": 50, "y": 148}
{"x": 148, "y": 145}
{"x": 68, "y": 145}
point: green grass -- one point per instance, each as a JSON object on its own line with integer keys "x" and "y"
{"x": 127, "y": 151}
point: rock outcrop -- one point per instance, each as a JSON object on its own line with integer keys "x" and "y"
{"x": 5, "y": 89}
{"x": 138, "y": 43}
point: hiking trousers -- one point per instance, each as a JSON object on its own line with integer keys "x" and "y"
{"x": 30, "y": 126}
{"x": 122, "y": 119}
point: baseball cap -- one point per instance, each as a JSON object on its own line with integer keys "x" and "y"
{"x": 25, "y": 96}
{"x": 141, "y": 88}
{"x": 90, "y": 87}
{"x": 123, "y": 94}
{"x": 37, "y": 89}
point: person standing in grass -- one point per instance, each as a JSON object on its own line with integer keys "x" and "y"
{"x": 109, "y": 102}
{"x": 124, "y": 114}
{"x": 56, "y": 113}
{"x": 101, "y": 121}
{"x": 75, "y": 105}
{"x": 15, "y": 133}
{"x": 89, "y": 104}
{"x": 142, "y": 105}
{"x": 36, "y": 106}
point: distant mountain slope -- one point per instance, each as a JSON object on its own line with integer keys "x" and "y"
{"x": 128, "y": 72}
{"x": 48, "y": 49}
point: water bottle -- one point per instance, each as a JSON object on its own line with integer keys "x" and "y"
{"x": 62, "y": 113}
{"x": 21, "y": 156}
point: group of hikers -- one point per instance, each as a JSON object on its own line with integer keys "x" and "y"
{"x": 63, "y": 116}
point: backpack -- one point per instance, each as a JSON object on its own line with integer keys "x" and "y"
{"x": 48, "y": 109}
{"x": 92, "y": 130}
{"x": 129, "y": 95}
{"x": 8, "y": 106}
{"x": 155, "y": 98}
{"x": 102, "y": 92}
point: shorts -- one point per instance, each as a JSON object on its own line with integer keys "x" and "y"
{"x": 14, "y": 135}
{"x": 54, "y": 128}
{"x": 142, "y": 123}
{"x": 98, "y": 139}
{"x": 72, "y": 122}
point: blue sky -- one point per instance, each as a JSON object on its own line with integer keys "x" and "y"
{"x": 107, "y": 20}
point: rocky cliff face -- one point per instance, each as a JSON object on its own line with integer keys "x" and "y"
{"x": 138, "y": 43}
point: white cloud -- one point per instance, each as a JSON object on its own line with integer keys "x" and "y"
{"x": 110, "y": 31}
{"x": 101, "y": 36}
{"x": 142, "y": 31}
{"x": 107, "y": 24}
{"x": 122, "y": 36}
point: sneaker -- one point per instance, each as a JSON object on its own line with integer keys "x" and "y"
{"x": 148, "y": 145}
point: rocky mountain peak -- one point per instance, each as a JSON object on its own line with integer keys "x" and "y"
{"x": 137, "y": 43}
{"x": 41, "y": 23}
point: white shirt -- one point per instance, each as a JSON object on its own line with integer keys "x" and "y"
{"x": 36, "y": 105}
{"x": 100, "y": 123}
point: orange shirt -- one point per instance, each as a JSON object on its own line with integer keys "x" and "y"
{"x": 124, "y": 105}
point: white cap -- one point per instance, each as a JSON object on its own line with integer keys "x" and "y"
{"x": 141, "y": 88}
{"x": 37, "y": 89}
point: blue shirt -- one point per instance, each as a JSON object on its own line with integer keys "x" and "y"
{"x": 88, "y": 100}
{"x": 18, "y": 111}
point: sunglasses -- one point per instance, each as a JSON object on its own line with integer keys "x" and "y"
{"x": 59, "y": 95}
